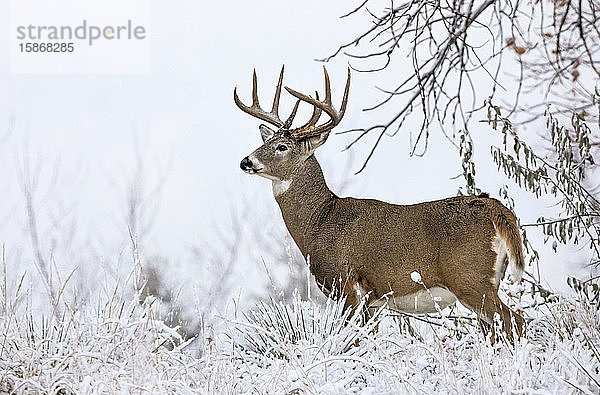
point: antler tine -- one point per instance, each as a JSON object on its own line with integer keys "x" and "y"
{"x": 327, "y": 87}
{"x": 275, "y": 108}
{"x": 288, "y": 122}
{"x": 345, "y": 98}
{"x": 254, "y": 90}
{"x": 255, "y": 110}
{"x": 310, "y": 129}
{"x": 315, "y": 115}
{"x": 311, "y": 122}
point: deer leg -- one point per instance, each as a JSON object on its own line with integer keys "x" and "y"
{"x": 507, "y": 316}
{"x": 486, "y": 306}
{"x": 353, "y": 302}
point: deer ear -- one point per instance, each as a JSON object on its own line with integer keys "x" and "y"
{"x": 314, "y": 142}
{"x": 266, "y": 132}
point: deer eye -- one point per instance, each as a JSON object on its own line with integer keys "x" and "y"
{"x": 282, "y": 148}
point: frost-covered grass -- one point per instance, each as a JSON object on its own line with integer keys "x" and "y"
{"x": 118, "y": 344}
{"x": 560, "y": 357}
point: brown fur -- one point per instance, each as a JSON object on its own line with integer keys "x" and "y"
{"x": 378, "y": 245}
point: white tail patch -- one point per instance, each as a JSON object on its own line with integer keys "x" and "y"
{"x": 499, "y": 247}
{"x": 503, "y": 254}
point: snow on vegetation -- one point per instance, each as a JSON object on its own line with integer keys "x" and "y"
{"x": 118, "y": 343}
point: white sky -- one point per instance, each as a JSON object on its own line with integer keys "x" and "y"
{"x": 181, "y": 120}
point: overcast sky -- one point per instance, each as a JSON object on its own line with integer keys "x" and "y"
{"x": 87, "y": 132}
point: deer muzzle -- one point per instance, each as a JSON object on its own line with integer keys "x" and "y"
{"x": 247, "y": 166}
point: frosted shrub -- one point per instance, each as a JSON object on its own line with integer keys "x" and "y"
{"x": 278, "y": 329}
{"x": 114, "y": 346}
{"x": 119, "y": 344}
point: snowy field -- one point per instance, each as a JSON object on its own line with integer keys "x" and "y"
{"x": 116, "y": 342}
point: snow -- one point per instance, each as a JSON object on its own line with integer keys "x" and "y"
{"x": 416, "y": 277}
{"x": 119, "y": 345}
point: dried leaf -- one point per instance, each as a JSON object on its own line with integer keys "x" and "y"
{"x": 519, "y": 50}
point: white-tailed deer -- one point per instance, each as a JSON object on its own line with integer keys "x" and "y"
{"x": 460, "y": 246}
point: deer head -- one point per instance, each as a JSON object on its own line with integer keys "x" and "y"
{"x": 285, "y": 149}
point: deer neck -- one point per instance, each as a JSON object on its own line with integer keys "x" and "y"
{"x": 302, "y": 199}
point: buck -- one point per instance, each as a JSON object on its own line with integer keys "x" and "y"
{"x": 460, "y": 246}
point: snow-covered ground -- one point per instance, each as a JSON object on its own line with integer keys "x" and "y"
{"x": 116, "y": 342}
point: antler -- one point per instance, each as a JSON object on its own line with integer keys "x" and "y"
{"x": 310, "y": 128}
{"x": 256, "y": 111}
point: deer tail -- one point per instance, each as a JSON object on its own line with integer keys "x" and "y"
{"x": 507, "y": 229}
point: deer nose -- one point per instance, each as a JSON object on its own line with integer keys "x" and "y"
{"x": 246, "y": 164}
